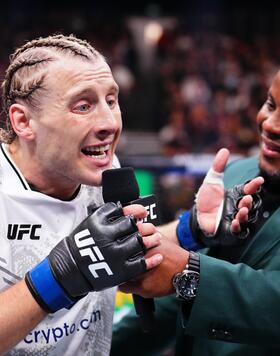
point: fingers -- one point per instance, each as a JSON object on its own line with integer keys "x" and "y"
{"x": 137, "y": 210}
{"x": 246, "y": 201}
{"x": 242, "y": 215}
{"x": 146, "y": 228}
{"x": 253, "y": 186}
{"x": 241, "y": 218}
{"x": 151, "y": 237}
{"x": 235, "y": 226}
{"x": 220, "y": 160}
{"x": 153, "y": 261}
{"x": 152, "y": 240}
{"x": 244, "y": 206}
{"x": 216, "y": 172}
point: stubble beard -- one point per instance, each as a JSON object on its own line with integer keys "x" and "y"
{"x": 271, "y": 176}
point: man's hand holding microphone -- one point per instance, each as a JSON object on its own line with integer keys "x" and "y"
{"x": 107, "y": 249}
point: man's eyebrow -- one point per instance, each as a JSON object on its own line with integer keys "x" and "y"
{"x": 77, "y": 92}
{"x": 269, "y": 94}
{"x": 114, "y": 88}
{"x": 87, "y": 91}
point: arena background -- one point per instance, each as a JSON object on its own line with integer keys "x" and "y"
{"x": 192, "y": 78}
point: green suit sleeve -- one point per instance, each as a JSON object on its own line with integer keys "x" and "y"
{"x": 239, "y": 303}
{"x": 129, "y": 339}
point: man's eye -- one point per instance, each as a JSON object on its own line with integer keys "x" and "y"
{"x": 111, "y": 103}
{"x": 82, "y": 108}
{"x": 270, "y": 104}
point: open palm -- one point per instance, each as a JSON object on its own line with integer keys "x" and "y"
{"x": 210, "y": 196}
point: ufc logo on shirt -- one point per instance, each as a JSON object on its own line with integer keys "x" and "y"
{"x": 18, "y": 231}
{"x": 88, "y": 248}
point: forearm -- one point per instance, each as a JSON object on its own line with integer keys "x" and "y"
{"x": 179, "y": 232}
{"x": 19, "y": 313}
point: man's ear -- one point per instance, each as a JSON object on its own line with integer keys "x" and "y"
{"x": 20, "y": 121}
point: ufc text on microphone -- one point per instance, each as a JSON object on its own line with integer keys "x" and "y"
{"x": 121, "y": 185}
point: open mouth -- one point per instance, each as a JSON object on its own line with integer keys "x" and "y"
{"x": 270, "y": 143}
{"x": 99, "y": 152}
{"x": 272, "y": 147}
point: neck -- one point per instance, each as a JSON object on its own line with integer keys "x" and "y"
{"x": 271, "y": 182}
{"x": 39, "y": 178}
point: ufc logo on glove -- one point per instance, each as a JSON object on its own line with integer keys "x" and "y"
{"x": 83, "y": 240}
{"x": 76, "y": 265}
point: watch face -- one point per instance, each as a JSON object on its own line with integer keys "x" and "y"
{"x": 187, "y": 285}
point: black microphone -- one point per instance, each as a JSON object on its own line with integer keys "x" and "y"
{"x": 121, "y": 185}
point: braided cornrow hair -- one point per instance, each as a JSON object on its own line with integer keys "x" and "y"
{"x": 24, "y": 78}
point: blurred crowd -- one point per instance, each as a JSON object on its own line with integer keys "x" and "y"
{"x": 202, "y": 91}
{"x": 214, "y": 86}
{"x": 196, "y": 89}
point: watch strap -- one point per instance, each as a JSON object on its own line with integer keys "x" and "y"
{"x": 194, "y": 262}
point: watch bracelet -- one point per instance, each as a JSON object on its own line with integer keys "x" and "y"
{"x": 194, "y": 262}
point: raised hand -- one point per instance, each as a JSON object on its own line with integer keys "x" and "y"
{"x": 219, "y": 216}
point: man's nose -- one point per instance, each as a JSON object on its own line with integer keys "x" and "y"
{"x": 272, "y": 122}
{"x": 106, "y": 121}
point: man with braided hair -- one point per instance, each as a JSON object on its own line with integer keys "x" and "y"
{"x": 63, "y": 123}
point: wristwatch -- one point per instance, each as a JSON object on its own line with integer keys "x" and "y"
{"x": 186, "y": 282}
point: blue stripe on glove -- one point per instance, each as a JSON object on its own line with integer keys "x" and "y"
{"x": 48, "y": 288}
{"x": 184, "y": 233}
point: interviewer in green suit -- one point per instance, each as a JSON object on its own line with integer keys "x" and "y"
{"x": 236, "y": 307}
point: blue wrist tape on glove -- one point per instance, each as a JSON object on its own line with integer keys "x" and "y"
{"x": 48, "y": 288}
{"x": 184, "y": 233}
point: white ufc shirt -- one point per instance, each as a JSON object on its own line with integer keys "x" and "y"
{"x": 31, "y": 224}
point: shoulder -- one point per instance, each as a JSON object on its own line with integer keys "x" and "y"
{"x": 241, "y": 170}
{"x": 248, "y": 162}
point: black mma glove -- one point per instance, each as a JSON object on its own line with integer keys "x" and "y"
{"x": 223, "y": 236}
{"x": 105, "y": 250}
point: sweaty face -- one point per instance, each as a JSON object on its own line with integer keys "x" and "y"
{"x": 78, "y": 129}
{"x": 268, "y": 120}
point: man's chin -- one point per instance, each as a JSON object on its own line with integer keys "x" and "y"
{"x": 270, "y": 167}
{"x": 96, "y": 180}
{"x": 269, "y": 171}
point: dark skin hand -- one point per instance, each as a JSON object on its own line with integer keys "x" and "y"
{"x": 157, "y": 282}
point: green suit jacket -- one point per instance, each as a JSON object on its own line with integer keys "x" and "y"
{"x": 237, "y": 307}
